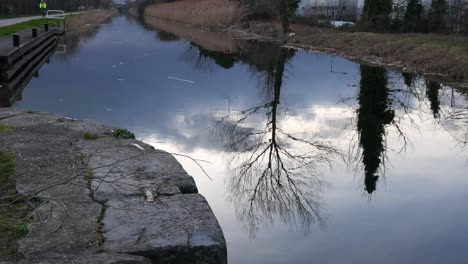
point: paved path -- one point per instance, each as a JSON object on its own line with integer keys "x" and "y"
{"x": 12, "y": 21}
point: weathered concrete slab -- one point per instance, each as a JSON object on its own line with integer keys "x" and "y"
{"x": 172, "y": 229}
{"x": 84, "y": 190}
{"x": 121, "y": 168}
{"x": 48, "y": 168}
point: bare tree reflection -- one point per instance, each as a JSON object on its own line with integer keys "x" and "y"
{"x": 274, "y": 173}
{"x": 453, "y": 114}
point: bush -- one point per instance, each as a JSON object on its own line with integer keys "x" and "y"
{"x": 123, "y": 133}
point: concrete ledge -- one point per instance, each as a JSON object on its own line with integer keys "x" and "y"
{"x": 105, "y": 200}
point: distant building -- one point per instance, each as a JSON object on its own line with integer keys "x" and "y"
{"x": 347, "y": 10}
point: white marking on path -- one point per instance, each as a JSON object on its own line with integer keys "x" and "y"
{"x": 181, "y": 80}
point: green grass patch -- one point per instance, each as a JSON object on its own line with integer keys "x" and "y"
{"x": 123, "y": 133}
{"x": 21, "y": 230}
{"x": 36, "y": 23}
{"x": 14, "y": 213}
{"x": 89, "y": 136}
{"x": 7, "y": 167}
{"x": 100, "y": 231}
{"x": 89, "y": 175}
{"x": 4, "y": 128}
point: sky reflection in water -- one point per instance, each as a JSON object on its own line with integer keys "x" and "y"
{"x": 388, "y": 168}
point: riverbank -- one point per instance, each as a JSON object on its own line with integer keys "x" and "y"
{"x": 82, "y": 192}
{"x": 444, "y": 56}
{"x": 73, "y": 22}
{"x": 90, "y": 18}
{"x": 441, "y": 56}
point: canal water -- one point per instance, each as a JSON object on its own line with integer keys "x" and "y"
{"x": 312, "y": 158}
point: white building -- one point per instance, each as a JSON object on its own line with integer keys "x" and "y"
{"x": 332, "y": 9}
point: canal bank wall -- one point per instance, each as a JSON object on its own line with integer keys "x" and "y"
{"x": 96, "y": 195}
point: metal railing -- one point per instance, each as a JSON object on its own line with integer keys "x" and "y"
{"x": 56, "y": 15}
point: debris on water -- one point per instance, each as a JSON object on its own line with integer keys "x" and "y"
{"x": 114, "y": 66}
{"x": 146, "y": 54}
{"x": 121, "y": 63}
{"x": 120, "y": 79}
{"x": 108, "y": 109}
{"x": 181, "y": 80}
{"x": 60, "y": 100}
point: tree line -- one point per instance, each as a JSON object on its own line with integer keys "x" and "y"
{"x": 412, "y": 16}
{"x": 28, "y": 7}
{"x": 439, "y": 16}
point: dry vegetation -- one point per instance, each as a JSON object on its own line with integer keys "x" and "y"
{"x": 431, "y": 54}
{"x": 204, "y": 13}
{"x": 89, "y": 18}
{"x": 214, "y": 41}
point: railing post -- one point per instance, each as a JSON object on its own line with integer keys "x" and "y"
{"x": 34, "y": 32}
{"x": 16, "y": 40}
{"x": 46, "y": 27}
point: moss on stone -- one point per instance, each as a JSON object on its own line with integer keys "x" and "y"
{"x": 89, "y": 136}
{"x": 4, "y": 128}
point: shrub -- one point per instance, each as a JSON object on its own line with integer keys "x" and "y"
{"x": 123, "y": 133}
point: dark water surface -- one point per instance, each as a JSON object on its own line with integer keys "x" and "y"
{"x": 314, "y": 159}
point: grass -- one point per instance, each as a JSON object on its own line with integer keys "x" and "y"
{"x": 13, "y": 214}
{"x": 89, "y": 175}
{"x": 205, "y": 13}
{"x": 21, "y": 230}
{"x": 89, "y": 136}
{"x": 433, "y": 54}
{"x": 36, "y": 23}
{"x": 4, "y": 128}
{"x": 7, "y": 167}
{"x": 123, "y": 133}
{"x": 100, "y": 231}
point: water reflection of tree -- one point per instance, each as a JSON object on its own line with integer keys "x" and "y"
{"x": 454, "y": 115}
{"x": 274, "y": 172}
{"x": 203, "y": 58}
{"x": 373, "y": 115}
{"x": 165, "y": 36}
{"x": 432, "y": 93}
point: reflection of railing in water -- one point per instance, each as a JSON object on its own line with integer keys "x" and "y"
{"x": 21, "y": 64}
